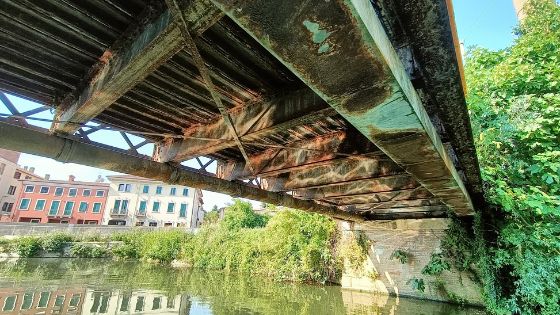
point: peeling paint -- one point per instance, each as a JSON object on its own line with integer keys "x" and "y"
{"x": 319, "y": 35}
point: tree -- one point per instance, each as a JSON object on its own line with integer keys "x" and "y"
{"x": 514, "y": 103}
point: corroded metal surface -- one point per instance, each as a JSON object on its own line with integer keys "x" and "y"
{"x": 352, "y": 106}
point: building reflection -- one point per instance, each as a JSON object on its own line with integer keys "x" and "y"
{"x": 84, "y": 300}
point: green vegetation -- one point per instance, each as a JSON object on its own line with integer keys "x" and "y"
{"x": 27, "y": 246}
{"x": 56, "y": 242}
{"x": 417, "y": 284}
{"x": 436, "y": 265}
{"x": 354, "y": 248}
{"x": 401, "y": 256}
{"x": 514, "y": 103}
{"x": 293, "y": 245}
{"x": 84, "y": 250}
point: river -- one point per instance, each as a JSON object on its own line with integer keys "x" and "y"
{"x": 98, "y": 286}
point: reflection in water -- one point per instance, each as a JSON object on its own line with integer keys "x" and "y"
{"x": 77, "y": 286}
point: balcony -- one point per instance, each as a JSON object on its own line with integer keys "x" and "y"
{"x": 119, "y": 212}
{"x": 140, "y": 213}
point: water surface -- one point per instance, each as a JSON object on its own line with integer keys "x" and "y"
{"x": 97, "y": 286}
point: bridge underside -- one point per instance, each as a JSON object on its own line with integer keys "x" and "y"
{"x": 352, "y": 108}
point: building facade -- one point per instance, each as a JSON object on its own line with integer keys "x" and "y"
{"x": 10, "y": 182}
{"x": 137, "y": 201}
{"x": 55, "y": 201}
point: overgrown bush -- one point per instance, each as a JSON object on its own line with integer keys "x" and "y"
{"x": 84, "y": 250}
{"x": 292, "y": 245}
{"x": 162, "y": 245}
{"x": 417, "y": 284}
{"x": 354, "y": 249}
{"x": 514, "y": 105}
{"x": 27, "y": 246}
{"x": 436, "y": 265}
{"x": 55, "y": 242}
{"x": 401, "y": 256}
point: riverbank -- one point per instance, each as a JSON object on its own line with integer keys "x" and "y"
{"x": 394, "y": 258}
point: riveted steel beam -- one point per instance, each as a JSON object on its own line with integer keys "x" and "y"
{"x": 252, "y": 122}
{"x": 340, "y": 50}
{"x": 119, "y": 71}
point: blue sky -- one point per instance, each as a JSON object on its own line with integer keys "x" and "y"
{"x": 486, "y": 23}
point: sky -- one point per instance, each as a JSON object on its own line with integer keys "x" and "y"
{"x": 485, "y": 23}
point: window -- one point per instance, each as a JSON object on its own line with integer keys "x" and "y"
{"x": 83, "y": 206}
{"x": 24, "y": 204}
{"x": 40, "y": 204}
{"x": 124, "y": 304}
{"x": 12, "y": 190}
{"x": 156, "y": 206}
{"x": 170, "y": 207}
{"x": 68, "y": 208}
{"x": 27, "y": 177}
{"x": 75, "y": 300}
{"x": 152, "y": 224}
{"x": 35, "y": 221}
{"x": 17, "y": 175}
{"x": 100, "y": 193}
{"x": 9, "y": 303}
{"x": 185, "y": 191}
{"x": 159, "y": 189}
{"x": 96, "y": 207}
{"x": 156, "y": 304}
{"x": 7, "y": 207}
{"x": 125, "y": 187}
{"x": 86, "y": 192}
{"x": 29, "y": 188}
{"x": 44, "y": 299}
{"x": 44, "y": 190}
{"x": 27, "y": 300}
{"x": 55, "y": 204}
{"x": 142, "y": 207}
{"x": 59, "y": 300}
{"x": 58, "y": 191}
{"x": 72, "y": 192}
{"x": 120, "y": 206}
{"x": 173, "y": 191}
{"x": 183, "y": 210}
{"x": 139, "y": 304}
{"x": 2, "y": 167}
{"x": 145, "y": 189}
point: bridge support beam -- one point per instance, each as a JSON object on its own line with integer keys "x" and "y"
{"x": 340, "y": 50}
{"x": 38, "y": 141}
{"x": 117, "y": 72}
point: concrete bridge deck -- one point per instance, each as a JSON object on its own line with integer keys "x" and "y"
{"x": 352, "y": 108}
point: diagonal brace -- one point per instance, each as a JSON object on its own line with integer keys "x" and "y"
{"x": 199, "y": 62}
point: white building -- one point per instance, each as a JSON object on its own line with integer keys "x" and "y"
{"x": 135, "y": 302}
{"x": 10, "y": 182}
{"x": 137, "y": 201}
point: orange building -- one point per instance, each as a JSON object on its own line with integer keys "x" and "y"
{"x": 55, "y": 201}
{"x": 41, "y": 301}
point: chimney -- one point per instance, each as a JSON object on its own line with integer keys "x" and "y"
{"x": 32, "y": 170}
{"x": 25, "y": 168}
{"x": 47, "y": 176}
{"x": 71, "y": 178}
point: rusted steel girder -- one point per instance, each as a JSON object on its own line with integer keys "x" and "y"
{"x": 301, "y": 154}
{"x": 38, "y": 141}
{"x": 119, "y": 71}
{"x": 340, "y": 50}
{"x": 251, "y": 122}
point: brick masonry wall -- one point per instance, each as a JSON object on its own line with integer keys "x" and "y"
{"x": 419, "y": 239}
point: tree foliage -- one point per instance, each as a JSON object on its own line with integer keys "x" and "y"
{"x": 514, "y": 103}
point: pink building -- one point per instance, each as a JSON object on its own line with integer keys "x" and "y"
{"x": 54, "y": 201}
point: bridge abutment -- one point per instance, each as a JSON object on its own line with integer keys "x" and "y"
{"x": 397, "y": 252}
